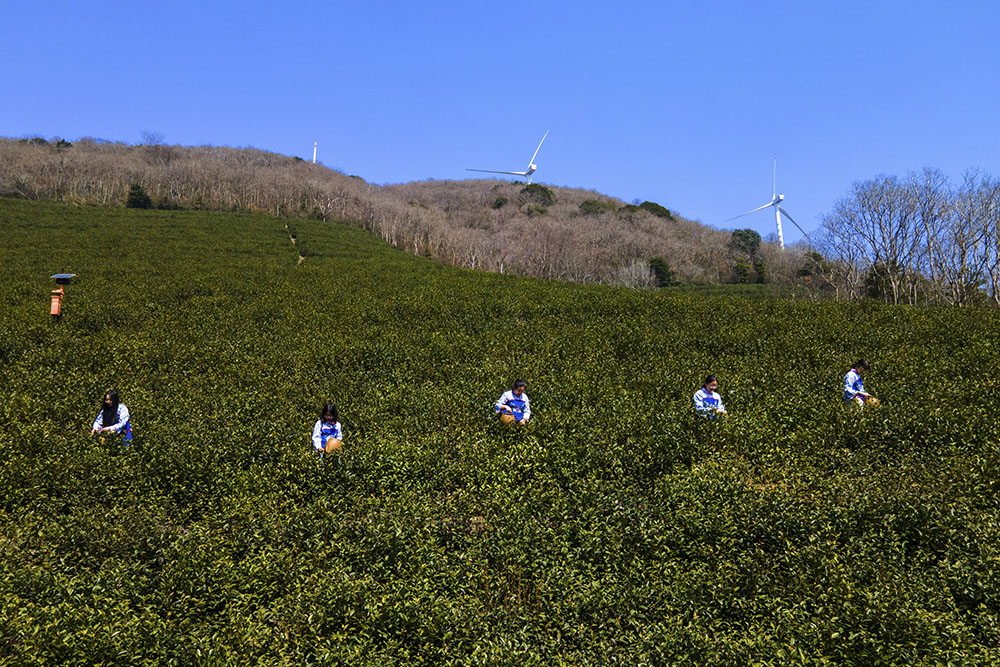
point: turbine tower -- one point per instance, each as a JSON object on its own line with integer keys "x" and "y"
{"x": 776, "y": 200}
{"x": 314, "y": 151}
{"x": 527, "y": 172}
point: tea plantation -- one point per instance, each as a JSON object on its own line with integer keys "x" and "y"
{"x": 614, "y": 528}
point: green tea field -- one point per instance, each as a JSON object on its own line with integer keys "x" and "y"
{"x": 614, "y": 527}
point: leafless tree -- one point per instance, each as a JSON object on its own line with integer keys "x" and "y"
{"x": 964, "y": 258}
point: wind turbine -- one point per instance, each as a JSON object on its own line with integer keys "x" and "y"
{"x": 776, "y": 200}
{"x": 527, "y": 172}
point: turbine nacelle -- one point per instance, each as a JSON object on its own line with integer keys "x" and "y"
{"x": 776, "y": 200}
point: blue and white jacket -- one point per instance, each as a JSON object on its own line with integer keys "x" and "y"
{"x": 323, "y": 432}
{"x": 852, "y": 385}
{"x": 123, "y": 425}
{"x": 707, "y": 402}
{"x": 520, "y": 405}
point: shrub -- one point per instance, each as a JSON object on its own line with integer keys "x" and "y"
{"x": 746, "y": 271}
{"x": 656, "y": 210}
{"x": 746, "y": 241}
{"x": 538, "y": 194}
{"x": 761, "y": 270}
{"x": 662, "y": 273}
{"x": 137, "y": 198}
{"x": 499, "y": 202}
{"x": 595, "y": 206}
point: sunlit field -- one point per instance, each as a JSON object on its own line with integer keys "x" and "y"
{"x": 614, "y": 528}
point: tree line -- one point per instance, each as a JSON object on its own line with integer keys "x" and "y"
{"x": 916, "y": 239}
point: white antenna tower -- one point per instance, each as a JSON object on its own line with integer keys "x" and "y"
{"x": 314, "y": 152}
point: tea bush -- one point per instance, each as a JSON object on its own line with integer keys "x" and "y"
{"x": 614, "y": 528}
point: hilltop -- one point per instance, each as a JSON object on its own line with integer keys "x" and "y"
{"x": 615, "y": 528}
{"x": 500, "y": 226}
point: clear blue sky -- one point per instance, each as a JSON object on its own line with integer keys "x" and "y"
{"x": 682, "y": 103}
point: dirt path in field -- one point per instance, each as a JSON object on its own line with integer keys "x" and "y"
{"x": 291, "y": 237}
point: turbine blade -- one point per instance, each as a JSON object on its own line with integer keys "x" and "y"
{"x": 791, "y": 220}
{"x": 491, "y": 171}
{"x": 759, "y": 208}
{"x": 774, "y": 179}
{"x": 532, "y": 160}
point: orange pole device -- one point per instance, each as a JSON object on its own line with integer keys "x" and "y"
{"x": 57, "y": 294}
{"x": 57, "y": 297}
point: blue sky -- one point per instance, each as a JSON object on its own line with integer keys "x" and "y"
{"x": 682, "y": 103}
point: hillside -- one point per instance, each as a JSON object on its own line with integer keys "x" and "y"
{"x": 483, "y": 224}
{"x": 614, "y": 528}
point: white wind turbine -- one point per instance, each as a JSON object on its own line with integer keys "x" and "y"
{"x": 776, "y": 200}
{"x": 527, "y": 172}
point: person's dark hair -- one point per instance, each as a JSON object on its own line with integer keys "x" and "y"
{"x": 861, "y": 364}
{"x": 329, "y": 409}
{"x": 519, "y": 384}
{"x": 709, "y": 380}
{"x": 109, "y": 413}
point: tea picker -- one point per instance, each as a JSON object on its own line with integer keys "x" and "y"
{"x": 113, "y": 418}
{"x": 707, "y": 401}
{"x": 854, "y": 388}
{"x": 514, "y": 405}
{"x": 327, "y": 435}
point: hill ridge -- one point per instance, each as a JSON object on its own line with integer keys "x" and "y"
{"x": 490, "y": 225}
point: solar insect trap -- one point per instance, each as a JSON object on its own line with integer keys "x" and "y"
{"x": 62, "y": 279}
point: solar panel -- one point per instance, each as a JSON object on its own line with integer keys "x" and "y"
{"x": 63, "y": 278}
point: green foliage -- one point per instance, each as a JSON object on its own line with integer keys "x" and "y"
{"x": 533, "y": 210}
{"x": 614, "y": 528}
{"x": 499, "y": 202}
{"x": 760, "y": 269}
{"x": 748, "y": 266}
{"x": 746, "y": 241}
{"x": 747, "y": 291}
{"x": 536, "y": 193}
{"x": 815, "y": 265}
{"x": 138, "y": 198}
{"x": 743, "y": 271}
{"x": 657, "y": 210}
{"x": 662, "y": 273}
{"x": 595, "y": 206}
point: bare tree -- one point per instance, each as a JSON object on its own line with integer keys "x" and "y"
{"x": 990, "y": 212}
{"x": 964, "y": 258}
